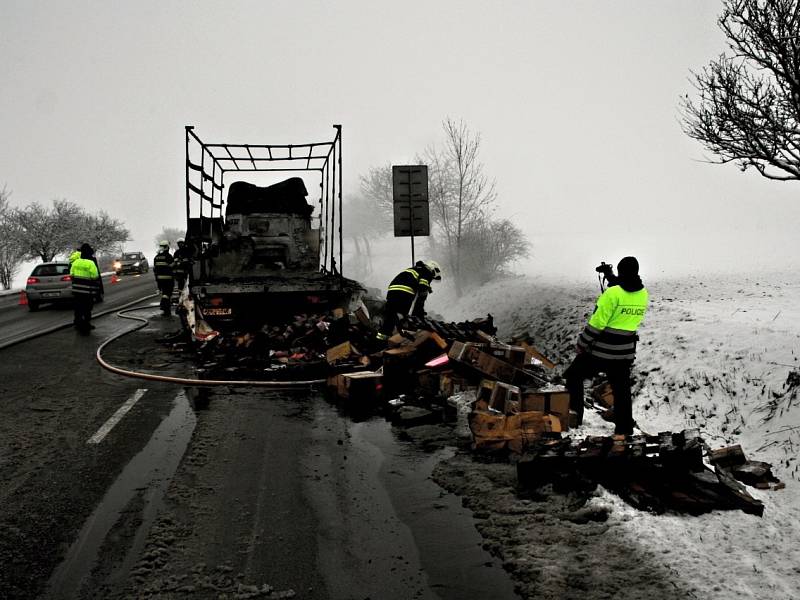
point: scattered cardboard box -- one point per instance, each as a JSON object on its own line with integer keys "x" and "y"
{"x": 553, "y": 400}
{"x": 341, "y": 352}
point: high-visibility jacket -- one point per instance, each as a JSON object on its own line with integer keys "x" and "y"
{"x": 162, "y": 266}
{"x": 74, "y": 256}
{"x": 412, "y": 281}
{"x": 611, "y": 330}
{"x": 85, "y": 276}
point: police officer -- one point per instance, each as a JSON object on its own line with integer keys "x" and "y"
{"x": 162, "y": 269}
{"x": 85, "y": 285}
{"x": 608, "y": 343}
{"x": 410, "y": 286}
{"x": 182, "y": 264}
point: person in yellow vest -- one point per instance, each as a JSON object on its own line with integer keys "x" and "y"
{"x": 85, "y": 285}
{"x": 608, "y": 343}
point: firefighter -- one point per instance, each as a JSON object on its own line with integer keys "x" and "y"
{"x": 410, "y": 287}
{"x": 85, "y": 284}
{"x": 608, "y": 343}
{"x": 182, "y": 264}
{"x": 162, "y": 269}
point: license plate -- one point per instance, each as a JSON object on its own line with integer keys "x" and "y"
{"x": 50, "y": 294}
{"x": 217, "y": 312}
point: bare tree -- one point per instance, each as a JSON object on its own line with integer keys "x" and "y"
{"x": 46, "y": 232}
{"x": 376, "y": 187}
{"x": 365, "y": 219}
{"x": 473, "y": 247}
{"x": 104, "y": 233}
{"x": 11, "y": 251}
{"x": 461, "y": 194}
{"x": 490, "y": 247}
{"x": 747, "y": 111}
{"x": 171, "y": 235}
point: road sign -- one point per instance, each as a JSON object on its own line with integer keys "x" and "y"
{"x": 410, "y": 195}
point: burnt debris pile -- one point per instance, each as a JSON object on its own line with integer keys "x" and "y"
{"x": 503, "y": 397}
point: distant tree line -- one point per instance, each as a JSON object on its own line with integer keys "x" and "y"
{"x": 43, "y": 232}
{"x": 468, "y": 240}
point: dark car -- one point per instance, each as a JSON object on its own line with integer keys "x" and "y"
{"x": 51, "y": 282}
{"x": 131, "y": 262}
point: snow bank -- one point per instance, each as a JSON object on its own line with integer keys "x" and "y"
{"x": 717, "y": 353}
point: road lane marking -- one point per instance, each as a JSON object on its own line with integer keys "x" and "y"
{"x": 116, "y": 417}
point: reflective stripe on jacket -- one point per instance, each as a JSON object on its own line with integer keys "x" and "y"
{"x": 85, "y": 276}
{"x": 611, "y": 330}
{"x": 410, "y": 281}
{"x": 162, "y": 265}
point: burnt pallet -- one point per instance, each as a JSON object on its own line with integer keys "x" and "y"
{"x": 651, "y": 472}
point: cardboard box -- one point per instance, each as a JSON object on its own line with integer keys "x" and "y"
{"x": 361, "y": 386}
{"x": 341, "y": 352}
{"x": 505, "y": 398}
{"x": 465, "y": 351}
{"x": 398, "y": 340}
{"x": 451, "y": 384}
{"x": 533, "y": 353}
{"x": 483, "y": 394}
{"x": 495, "y": 367}
{"x": 514, "y": 355}
{"x": 399, "y": 370}
{"x": 491, "y": 431}
{"x": 428, "y": 382}
{"x": 551, "y": 401}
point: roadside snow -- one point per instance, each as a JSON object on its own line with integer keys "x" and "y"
{"x": 717, "y": 353}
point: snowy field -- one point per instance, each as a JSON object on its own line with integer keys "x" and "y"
{"x": 717, "y": 353}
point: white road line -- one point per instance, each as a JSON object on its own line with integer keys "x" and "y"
{"x": 116, "y": 417}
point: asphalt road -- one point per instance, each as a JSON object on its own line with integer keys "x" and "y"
{"x": 206, "y": 494}
{"x": 17, "y": 321}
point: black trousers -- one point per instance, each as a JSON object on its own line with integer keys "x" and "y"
{"x": 586, "y": 366}
{"x": 180, "y": 279}
{"x": 165, "y": 286}
{"x": 398, "y": 304}
{"x": 83, "y": 304}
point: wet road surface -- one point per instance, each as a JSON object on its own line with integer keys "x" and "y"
{"x": 205, "y": 493}
{"x": 17, "y": 321}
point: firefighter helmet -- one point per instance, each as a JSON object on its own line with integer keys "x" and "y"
{"x": 434, "y": 268}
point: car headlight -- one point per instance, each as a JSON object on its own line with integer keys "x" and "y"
{"x": 136, "y": 264}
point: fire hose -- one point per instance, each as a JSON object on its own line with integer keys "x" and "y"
{"x": 185, "y": 381}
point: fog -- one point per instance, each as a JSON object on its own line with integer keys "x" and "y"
{"x": 577, "y": 105}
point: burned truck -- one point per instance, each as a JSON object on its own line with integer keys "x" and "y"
{"x": 262, "y": 253}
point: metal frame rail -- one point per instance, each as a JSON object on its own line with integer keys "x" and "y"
{"x": 205, "y": 181}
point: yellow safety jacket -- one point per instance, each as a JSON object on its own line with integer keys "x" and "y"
{"x": 611, "y": 330}
{"x": 85, "y": 276}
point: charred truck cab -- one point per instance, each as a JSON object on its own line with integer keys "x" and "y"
{"x": 264, "y": 253}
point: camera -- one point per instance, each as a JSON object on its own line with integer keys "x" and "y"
{"x": 605, "y": 269}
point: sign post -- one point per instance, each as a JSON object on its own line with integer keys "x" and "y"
{"x": 411, "y": 208}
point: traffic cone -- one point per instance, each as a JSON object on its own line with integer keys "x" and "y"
{"x": 114, "y": 278}
{"x": 23, "y": 298}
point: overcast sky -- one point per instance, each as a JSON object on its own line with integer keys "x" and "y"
{"x": 577, "y": 104}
